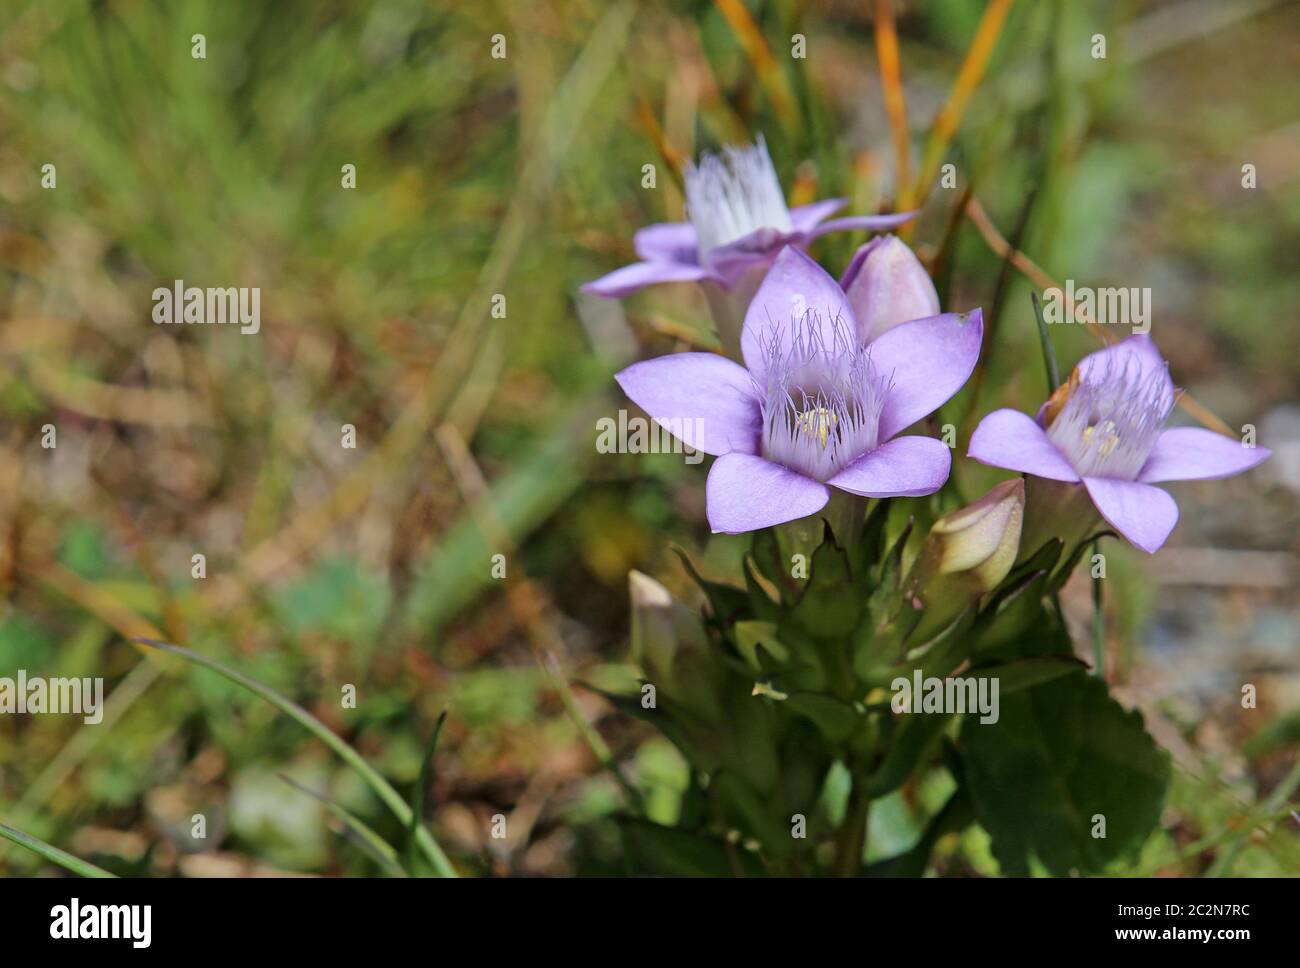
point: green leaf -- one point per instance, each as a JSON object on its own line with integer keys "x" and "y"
{"x": 750, "y": 636}
{"x": 726, "y": 602}
{"x": 761, "y": 603}
{"x": 422, "y": 784}
{"x": 1061, "y": 754}
{"x": 774, "y": 566}
{"x": 836, "y": 719}
{"x": 912, "y": 743}
{"x": 871, "y": 543}
{"x": 52, "y": 853}
{"x": 759, "y": 815}
{"x": 1024, "y": 673}
{"x": 1019, "y": 624}
{"x": 830, "y": 605}
{"x": 654, "y": 849}
{"x": 1062, "y": 574}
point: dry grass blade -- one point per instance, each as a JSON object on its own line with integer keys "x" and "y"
{"x": 950, "y": 115}
{"x": 891, "y": 80}
{"x": 760, "y": 56}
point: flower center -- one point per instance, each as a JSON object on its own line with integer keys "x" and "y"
{"x": 821, "y": 409}
{"x": 731, "y": 196}
{"x": 817, "y": 424}
{"x": 1107, "y": 423}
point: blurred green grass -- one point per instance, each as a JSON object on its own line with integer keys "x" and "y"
{"x": 372, "y": 567}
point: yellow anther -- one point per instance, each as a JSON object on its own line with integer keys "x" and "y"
{"x": 1107, "y": 433}
{"x": 817, "y": 423}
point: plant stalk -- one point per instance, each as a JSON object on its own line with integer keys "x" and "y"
{"x": 853, "y": 834}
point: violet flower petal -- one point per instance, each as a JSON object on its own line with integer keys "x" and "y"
{"x": 746, "y": 493}
{"x": 887, "y": 285}
{"x": 872, "y": 223}
{"x": 926, "y": 361}
{"x": 667, "y": 242}
{"x": 638, "y": 275}
{"x": 855, "y": 264}
{"x": 1195, "y": 454}
{"x": 794, "y": 286}
{"x": 1139, "y": 352}
{"x": 734, "y": 259}
{"x": 805, "y": 218}
{"x": 1141, "y": 513}
{"x": 902, "y": 467}
{"x": 1011, "y": 439}
{"x": 703, "y": 399}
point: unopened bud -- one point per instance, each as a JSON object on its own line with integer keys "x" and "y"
{"x": 966, "y": 554}
{"x": 981, "y": 539}
{"x": 887, "y": 285}
{"x": 661, "y": 627}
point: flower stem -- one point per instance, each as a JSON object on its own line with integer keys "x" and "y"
{"x": 727, "y": 307}
{"x": 853, "y": 834}
{"x": 1098, "y": 624}
{"x": 846, "y": 513}
{"x": 1054, "y": 509}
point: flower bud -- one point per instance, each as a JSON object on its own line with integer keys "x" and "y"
{"x": 887, "y": 285}
{"x": 967, "y": 553}
{"x": 981, "y": 539}
{"x": 663, "y": 629}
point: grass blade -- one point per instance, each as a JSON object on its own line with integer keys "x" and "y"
{"x": 379, "y": 849}
{"x": 383, "y": 789}
{"x": 53, "y": 854}
{"x": 421, "y": 783}
{"x": 1049, "y": 355}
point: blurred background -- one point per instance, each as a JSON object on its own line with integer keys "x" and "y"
{"x": 522, "y": 176}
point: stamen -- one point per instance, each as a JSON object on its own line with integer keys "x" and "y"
{"x": 1107, "y": 423}
{"x": 821, "y": 409}
{"x": 729, "y": 197}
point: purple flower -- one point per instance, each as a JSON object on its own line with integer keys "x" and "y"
{"x": 1104, "y": 429}
{"x": 813, "y": 405}
{"x": 887, "y": 285}
{"x": 738, "y": 222}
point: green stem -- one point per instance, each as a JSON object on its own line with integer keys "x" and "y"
{"x": 846, "y": 513}
{"x": 727, "y": 307}
{"x": 1055, "y": 509}
{"x": 853, "y": 834}
{"x": 1098, "y": 624}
